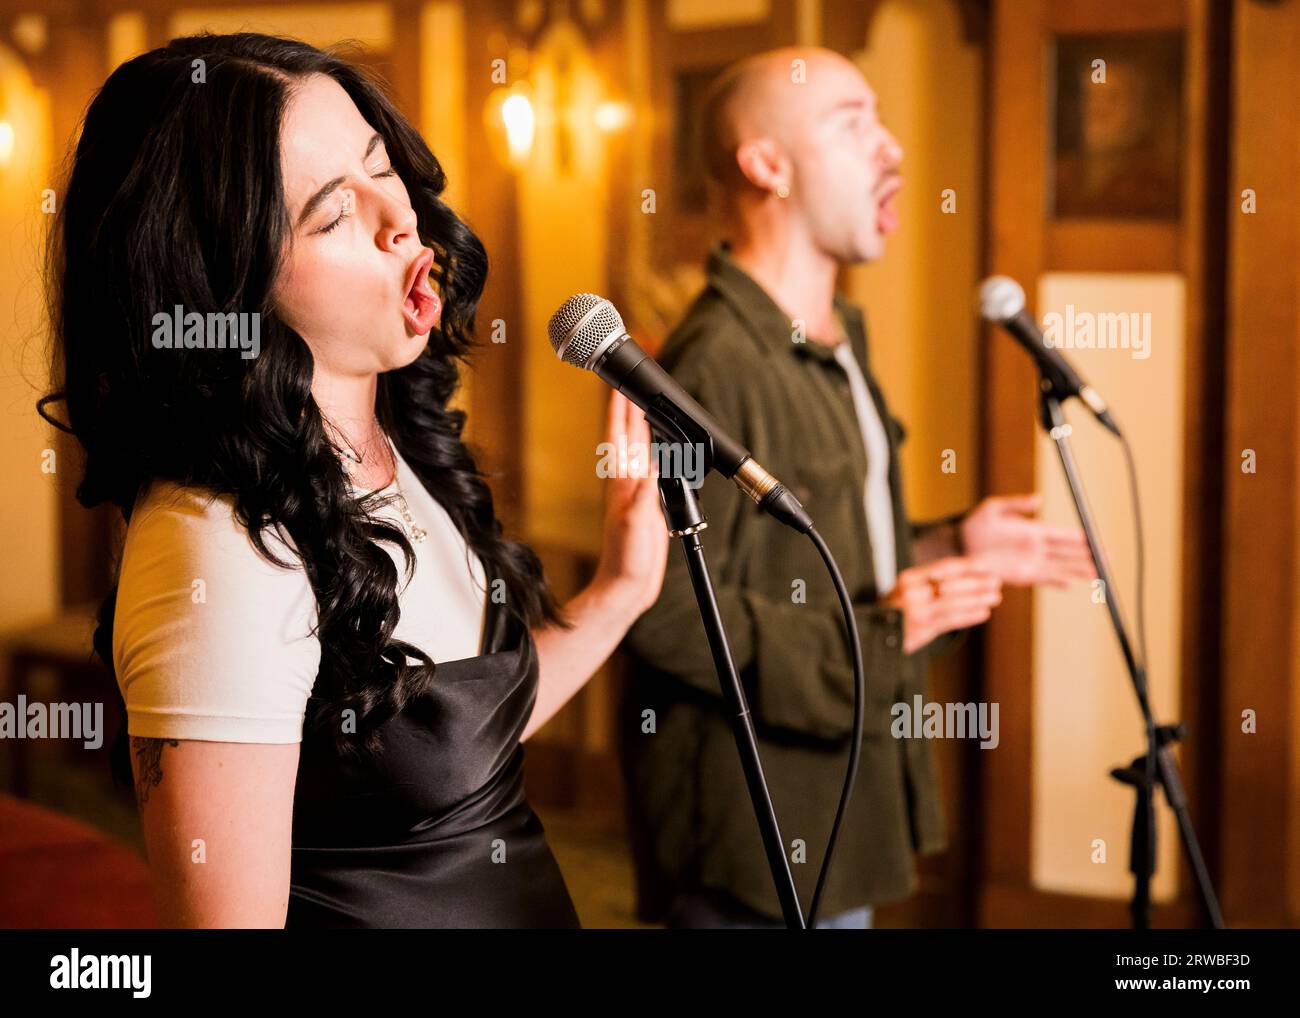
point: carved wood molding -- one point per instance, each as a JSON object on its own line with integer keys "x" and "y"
{"x": 846, "y": 24}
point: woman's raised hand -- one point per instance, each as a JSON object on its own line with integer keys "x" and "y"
{"x": 634, "y": 551}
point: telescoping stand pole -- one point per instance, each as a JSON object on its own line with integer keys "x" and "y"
{"x": 1158, "y": 766}
{"x": 685, "y": 521}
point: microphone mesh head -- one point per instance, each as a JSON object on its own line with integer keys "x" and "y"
{"x": 582, "y": 327}
{"x": 1001, "y": 298}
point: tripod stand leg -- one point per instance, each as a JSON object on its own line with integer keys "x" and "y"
{"x": 1142, "y": 844}
{"x": 1177, "y": 798}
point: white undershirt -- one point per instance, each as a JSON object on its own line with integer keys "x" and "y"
{"x": 876, "y": 496}
{"x": 213, "y": 642}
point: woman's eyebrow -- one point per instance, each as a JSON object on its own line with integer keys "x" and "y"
{"x": 313, "y": 203}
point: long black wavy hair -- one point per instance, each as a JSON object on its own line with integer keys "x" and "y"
{"x": 175, "y": 196}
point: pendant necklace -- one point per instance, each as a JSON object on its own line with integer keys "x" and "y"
{"x": 416, "y": 533}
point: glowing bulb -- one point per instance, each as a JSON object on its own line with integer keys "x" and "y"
{"x": 521, "y": 124}
{"x": 611, "y": 115}
{"x": 6, "y": 142}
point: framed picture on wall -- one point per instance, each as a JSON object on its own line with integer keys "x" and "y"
{"x": 1116, "y": 126}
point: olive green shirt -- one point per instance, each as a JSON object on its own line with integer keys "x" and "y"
{"x": 787, "y": 400}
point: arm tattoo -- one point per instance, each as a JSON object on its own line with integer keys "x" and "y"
{"x": 148, "y": 764}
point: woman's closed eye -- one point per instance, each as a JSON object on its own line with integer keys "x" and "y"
{"x": 345, "y": 211}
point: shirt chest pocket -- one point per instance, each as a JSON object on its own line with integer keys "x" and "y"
{"x": 827, "y": 484}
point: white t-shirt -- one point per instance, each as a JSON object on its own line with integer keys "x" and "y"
{"x": 213, "y": 642}
{"x": 876, "y": 499}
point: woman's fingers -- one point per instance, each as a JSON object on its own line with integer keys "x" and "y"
{"x": 638, "y": 437}
{"x": 616, "y": 418}
{"x": 634, "y": 490}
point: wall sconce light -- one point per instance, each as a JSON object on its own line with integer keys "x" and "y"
{"x": 558, "y": 107}
{"x": 521, "y": 124}
{"x": 511, "y": 120}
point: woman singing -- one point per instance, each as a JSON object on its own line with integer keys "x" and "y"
{"x": 328, "y": 653}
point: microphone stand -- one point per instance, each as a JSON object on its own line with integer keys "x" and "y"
{"x": 685, "y": 521}
{"x": 1157, "y": 767}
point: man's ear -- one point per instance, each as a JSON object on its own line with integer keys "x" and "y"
{"x": 762, "y": 163}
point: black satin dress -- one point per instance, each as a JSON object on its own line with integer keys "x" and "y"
{"x": 438, "y": 833}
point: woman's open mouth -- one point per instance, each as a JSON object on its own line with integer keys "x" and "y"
{"x": 421, "y": 306}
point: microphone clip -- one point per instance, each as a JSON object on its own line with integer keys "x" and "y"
{"x": 669, "y": 426}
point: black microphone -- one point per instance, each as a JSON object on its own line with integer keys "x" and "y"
{"x": 588, "y": 332}
{"x": 1002, "y": 301}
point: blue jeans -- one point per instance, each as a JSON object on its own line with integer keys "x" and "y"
{"x": 706, "y": 909}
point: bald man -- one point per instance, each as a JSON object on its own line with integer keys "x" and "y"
{"x": 804, "y": 177}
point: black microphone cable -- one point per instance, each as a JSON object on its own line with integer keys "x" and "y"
{"x": 859, "y": 712}
{"x": 587, "y": 332}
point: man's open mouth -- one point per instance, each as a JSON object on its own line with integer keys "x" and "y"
{"x": 887, "y": 207}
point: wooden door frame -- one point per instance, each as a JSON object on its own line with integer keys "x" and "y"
{"x": 1022, "y": 244}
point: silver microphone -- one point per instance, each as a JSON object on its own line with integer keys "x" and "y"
{"x": 1002, "y": 302}
{"x": 588, "y": 332}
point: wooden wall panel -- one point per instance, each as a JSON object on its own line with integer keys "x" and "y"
{"x": 1016, "y": 111}
{"x": 1260, "y": 868}
{"x": 1023, "y": 243}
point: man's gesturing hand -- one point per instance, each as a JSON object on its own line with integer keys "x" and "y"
{"x": 942, "y": 596}
{"x": 1001, "y": 534}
